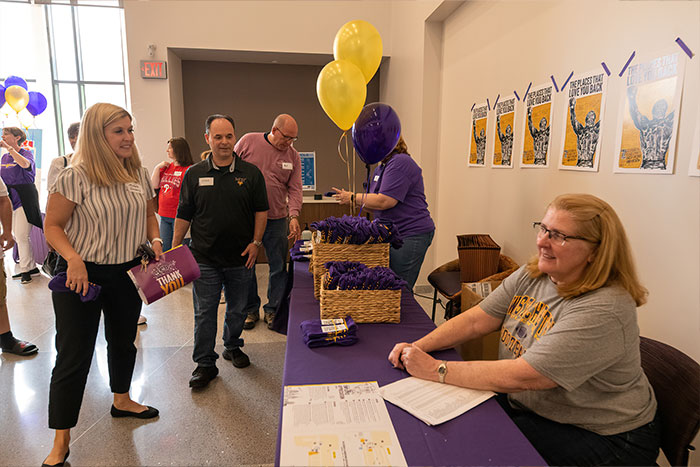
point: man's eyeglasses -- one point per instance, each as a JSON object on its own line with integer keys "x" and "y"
{"x": 555, "y": 236}
{"x": 287, "y": 138}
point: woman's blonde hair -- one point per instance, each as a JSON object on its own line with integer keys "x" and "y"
{"x": 95, "y": 156}
{"x": 612, "y": 264}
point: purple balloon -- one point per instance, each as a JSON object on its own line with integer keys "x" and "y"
{"x": 15, "y": 81}
{"x": 2, "y": 95}
{"x": 376, "y": 132}
{"x": 37, "y": 103}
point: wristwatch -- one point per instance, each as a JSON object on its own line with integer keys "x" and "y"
{"x": 257, "y": 243}
{"x": 442, "y": 371}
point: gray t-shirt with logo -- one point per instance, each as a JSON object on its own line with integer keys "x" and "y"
{"x": 588, "y": 345}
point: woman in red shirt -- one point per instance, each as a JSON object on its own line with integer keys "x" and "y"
{"x": 167, "y": 179}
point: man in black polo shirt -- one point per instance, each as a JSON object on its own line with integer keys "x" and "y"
{"x": 224, "y": 201}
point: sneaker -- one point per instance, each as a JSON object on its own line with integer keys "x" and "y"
{"x": 269, "y": 319}
{"x": 249, "y": 322}
{"x": 202, "y": 375}
{"x": 142, "y": 319}
{"x": 26, "y": 278}
{"x": 32, "y": 273}
{"x": 237, "y": 357}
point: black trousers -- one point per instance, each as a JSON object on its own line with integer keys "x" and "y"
{"x": 77, "y": 324}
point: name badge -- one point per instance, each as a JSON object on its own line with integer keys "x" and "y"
{"x": 178, "y": 173}
{"x": 206, "y": 181}
{"x": 287, "y": 165}
{"x": 134, "y": 188}
{"x": 376, "y": 178}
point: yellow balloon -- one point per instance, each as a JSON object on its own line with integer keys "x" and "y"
{"x": 341, "y": 90}
{"x": 17, "y": 97}
{"x": 360, "y": 43}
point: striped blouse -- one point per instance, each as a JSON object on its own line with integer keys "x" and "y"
{"x": 109, "y": 222}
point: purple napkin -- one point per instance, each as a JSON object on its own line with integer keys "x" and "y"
{"x": 58, "y": 284}
{"x": 321, "y": 333}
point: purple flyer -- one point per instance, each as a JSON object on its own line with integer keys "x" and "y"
{"x": 176, "y": 268}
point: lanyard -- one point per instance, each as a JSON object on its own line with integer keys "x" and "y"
{"x": 382, "y": 166}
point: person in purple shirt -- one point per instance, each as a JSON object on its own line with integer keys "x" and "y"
{"x": 18, "y": 172}
{"x": 397, "y": 195}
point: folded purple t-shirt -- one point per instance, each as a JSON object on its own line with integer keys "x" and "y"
{"x": 58, "y": 284}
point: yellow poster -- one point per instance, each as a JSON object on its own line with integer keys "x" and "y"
{"x": 582, "y": 122}
{"x": 502, "y": 156}
{"x": 649, "y": 116}
{"x": 536, "y": 134}
{"x": 477, "y": 140}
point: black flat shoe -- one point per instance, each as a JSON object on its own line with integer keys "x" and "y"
{"x": 33, "y": 272}
{"x": 150, "y": 412}
{"x": 60, "y": 464}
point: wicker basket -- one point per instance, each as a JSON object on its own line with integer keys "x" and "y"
{"x": 371, "y": 255}
{"x": 478, "y": 256}
{"x": 364, "y": 306}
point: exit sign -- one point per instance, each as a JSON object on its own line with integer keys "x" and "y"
{"x": 151, "y": 69}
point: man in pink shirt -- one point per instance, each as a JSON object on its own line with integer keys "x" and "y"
{"x": 279, "y": 162}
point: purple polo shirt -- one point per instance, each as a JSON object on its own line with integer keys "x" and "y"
{"x": 13, "y": 174}
{"x": 402, "y": 179}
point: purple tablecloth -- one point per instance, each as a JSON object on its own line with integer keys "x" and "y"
{"x": 483, "y": 436}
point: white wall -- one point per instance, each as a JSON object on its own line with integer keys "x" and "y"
{"x": 270, "y": 26}
{"x": 496, "y": 47}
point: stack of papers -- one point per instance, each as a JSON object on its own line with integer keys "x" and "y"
{"x": 433, "y": 403}
{"x": 344, "y": 424}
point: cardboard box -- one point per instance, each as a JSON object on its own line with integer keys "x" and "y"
{"x": 486, "y": 347}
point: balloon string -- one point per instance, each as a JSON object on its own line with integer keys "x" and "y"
{"x": 340, "y": 152}
{"x": 364, "y": 195}
{"x": 354, "y": 176}
{"x": 347, "y": 157}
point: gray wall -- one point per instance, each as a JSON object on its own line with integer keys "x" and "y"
{"x": 253, "y": 94}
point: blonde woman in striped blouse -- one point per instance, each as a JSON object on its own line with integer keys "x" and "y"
{"x": 99, "y": 211}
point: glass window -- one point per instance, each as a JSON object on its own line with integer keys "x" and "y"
{"x": 101, "y": 43}
{"x": 20, "y": 35}
{"x": 69, "y": 97}
{"x": 111, "y": 93}
{"x": 99, "y": 2}
{"x": 63, "y": 43}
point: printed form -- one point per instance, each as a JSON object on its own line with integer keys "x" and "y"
{"x": 342, "y": 424}
{"x": 432, "y": 402}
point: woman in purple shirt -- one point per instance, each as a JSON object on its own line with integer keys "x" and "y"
{"x": 397, "y": 195}
{"x": 18, "y": 173}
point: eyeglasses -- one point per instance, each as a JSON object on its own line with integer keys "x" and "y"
{"x": 287, "y": 138}
{"x": 554, "y": 235}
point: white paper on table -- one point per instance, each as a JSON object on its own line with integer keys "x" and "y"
{"x": 432, "y": 402}
{"x": 337, "y": 425}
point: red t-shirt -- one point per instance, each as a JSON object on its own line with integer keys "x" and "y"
{"x": 170, "y": 183}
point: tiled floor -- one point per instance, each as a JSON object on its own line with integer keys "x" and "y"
{"x": 232, "y": 422}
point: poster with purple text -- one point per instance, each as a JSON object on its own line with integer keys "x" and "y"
{"x": 536, "y": 133}
{"x": 649, "y": 109}
{"x": 477, "y": 140}
{"x": 502, "y": 154}
{"x": 582, "y": 122}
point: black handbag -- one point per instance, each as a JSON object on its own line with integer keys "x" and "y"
{"x": 50, "y": 263}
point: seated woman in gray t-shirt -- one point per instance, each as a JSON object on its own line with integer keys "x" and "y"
{"x": 569, "y": 364}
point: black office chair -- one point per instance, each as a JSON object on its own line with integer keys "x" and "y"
{"x": 675, "y": 378}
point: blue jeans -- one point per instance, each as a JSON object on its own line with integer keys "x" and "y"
{"x": 276, "y": 246}
{"x": 206, "y": 295}
{"x": 166, "y": 231}
{"x": 407, "y": 260}
{"x": 562, "y": 444}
